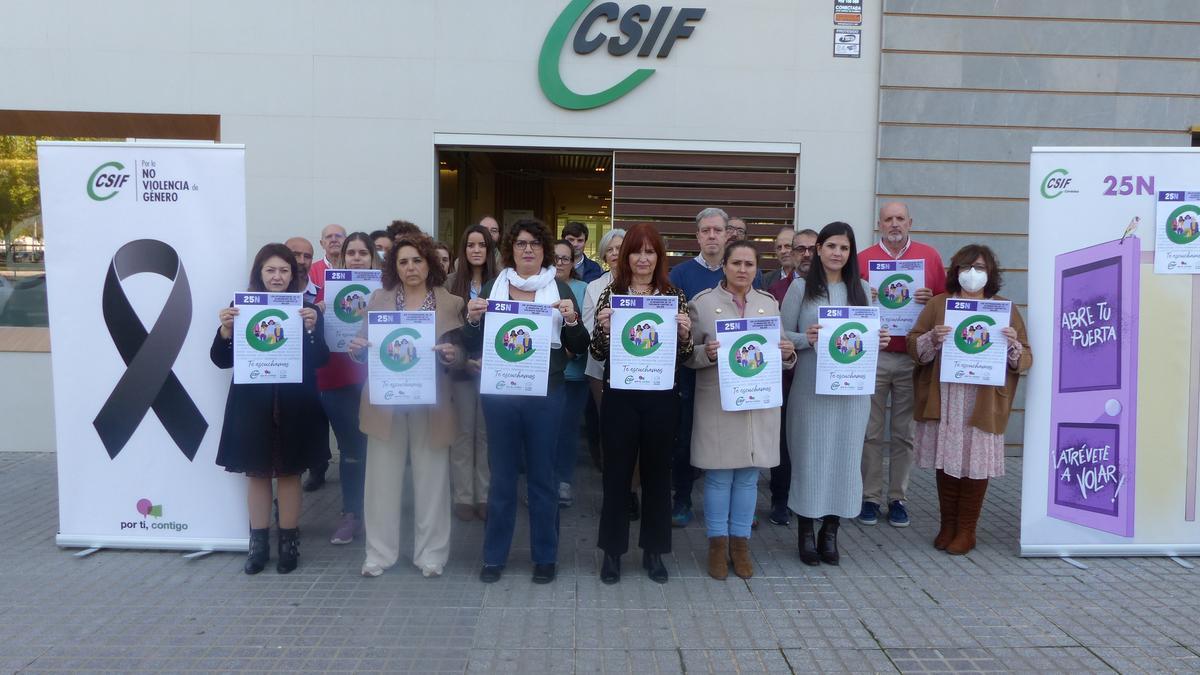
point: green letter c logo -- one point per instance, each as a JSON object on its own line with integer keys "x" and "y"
{"x": 91, "y": 184}
{"x": 551, "y": 79}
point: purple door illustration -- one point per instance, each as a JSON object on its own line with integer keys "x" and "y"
{"x": 1093, "y": 409}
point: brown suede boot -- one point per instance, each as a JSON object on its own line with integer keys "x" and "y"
{"x": 947, "y": 489}
{"x": 739, "y": 551}
{"x": 970, "y": 503}
{"x": 718, "y": 557}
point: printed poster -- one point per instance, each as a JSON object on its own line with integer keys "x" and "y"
{"x": 516, "y": 348}
{"x": 268, "y": 338}
{"x": 641, "y": 351}
{"x": 976, "y": 352}
{"x": 346, "y": 294}
{"x": 750, "y": 364}
{"x": 1177, "y": 229}
{"x": 401, "y": 362}
{"x": 896, "y": 281}
{"x": 847, "y": 350}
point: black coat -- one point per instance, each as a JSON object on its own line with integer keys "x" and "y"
{"x": 257, "y": 442}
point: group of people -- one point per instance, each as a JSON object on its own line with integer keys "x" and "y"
{"x": 824, "y": 453}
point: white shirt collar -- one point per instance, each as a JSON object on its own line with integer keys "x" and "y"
{"x": 704, "y": 264}
{"x": 900, "y": 255}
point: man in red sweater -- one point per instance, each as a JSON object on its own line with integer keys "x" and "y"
{"x": 894, "y": 374}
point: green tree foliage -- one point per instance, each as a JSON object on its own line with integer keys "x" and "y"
{"x": 19, "y": 193}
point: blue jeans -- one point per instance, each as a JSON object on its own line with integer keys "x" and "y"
{"x": 575, "y": 396}
{"x": 341, "y": 407}
{"x": 729, "y": 499}
{"x": 522, "y": 429}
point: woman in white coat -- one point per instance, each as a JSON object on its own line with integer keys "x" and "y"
{"x": 731, "y": 446}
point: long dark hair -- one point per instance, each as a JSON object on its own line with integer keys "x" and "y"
{"x": 635, "y": 240}
{"x": 816, "y": 287}
{"x": 462, "y": 269}
{"x": 428, "y": 250}
{"x": 534, "y": 227}
{"x": 266, "y": 252}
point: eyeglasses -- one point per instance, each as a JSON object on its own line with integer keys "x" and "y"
{"x": 811, "y": 250}
{"x": 562, "y": 259}
{"x": 527, "y": 244}
{"x": 738, "y": 231}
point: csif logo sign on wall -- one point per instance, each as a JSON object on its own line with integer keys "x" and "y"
{"x": 639, "y": 28}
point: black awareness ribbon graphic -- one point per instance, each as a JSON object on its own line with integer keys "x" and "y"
{"x": 148, "y": 381}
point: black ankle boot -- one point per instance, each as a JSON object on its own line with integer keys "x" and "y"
{"x": 610, "y": 569}
{"x": 807, "y": 543}
{"x": 289, "y": 550}
{"x": 653, "y": 564}
{"x": 827, "y": 540}
{"x": 260, "y": 551}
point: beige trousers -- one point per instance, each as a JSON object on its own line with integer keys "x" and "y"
{"x": 431, "y": 494}
{"x": 469, "y": 474}
{"x": 893, "y": 378}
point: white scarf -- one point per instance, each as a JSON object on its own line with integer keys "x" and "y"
{"x": 544, "y": 289}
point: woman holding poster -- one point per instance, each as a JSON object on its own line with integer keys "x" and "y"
{"x": 469, "y": 476}
{"x": 412, "y": 280}
{"x": 340, "y": 383}
{"x": 959, "y": 429}
{"x": 825, "y": 433}
{"x": 637, "y": 426}
{"x": 575, "y": 387}
{"x": 525, "y": 428}
{"x": 733, "y": 446}
{"x": 272, "y": 431}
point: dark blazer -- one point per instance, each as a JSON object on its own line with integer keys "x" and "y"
{"x": 251, "y": 430}
{"x": 590, "y": 270}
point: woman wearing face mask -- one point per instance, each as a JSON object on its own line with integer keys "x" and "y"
{"x": 272, "y": 431}
{"x": 825, "y": 433}
{"x": 469, "y": 475}
{"x": 959, "y": 428}
{"x": 340, "y": 383}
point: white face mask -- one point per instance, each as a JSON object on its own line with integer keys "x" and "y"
{"x": 972, "y": 280}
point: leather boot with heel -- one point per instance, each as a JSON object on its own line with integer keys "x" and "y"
{"x": 739, "y": 553}
{"x": 718, "y": 557}
{"x": 970, "y": 503}
{"x": 610, "y": 569}
{"x": 259, "y": 552}
{"x": 807, "y": 541}
{"x": 289, "y": 550}
{"x": 655, "y": 569}
{"x": 827, "y": 540}
{"x": 947, "y": 489}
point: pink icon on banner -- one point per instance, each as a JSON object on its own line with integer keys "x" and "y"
{"x": 148, "y": 508}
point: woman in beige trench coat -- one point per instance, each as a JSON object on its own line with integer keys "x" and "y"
{"x": 731, "y": 446}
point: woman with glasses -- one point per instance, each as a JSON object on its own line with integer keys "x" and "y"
{"x": 575, "y": 387}
{"x": 524, "y": 429}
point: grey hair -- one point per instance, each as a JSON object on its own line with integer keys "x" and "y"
{"x": 808, "y": 231}
{"x": 907, "y": 213}
{"x": 712, "y": 211}
{"x": 607, "y": 239}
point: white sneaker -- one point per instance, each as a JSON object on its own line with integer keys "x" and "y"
{"x": 429, "y": 571}
{"x": 371, "y": 570}
{"x": 565, "y": 498}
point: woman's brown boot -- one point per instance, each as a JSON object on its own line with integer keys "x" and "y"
{"x": 718, "y": 557}
{"x": 739, "y": 551}
{"x": 947, "y": 489}
{"x": 970, "y": 503}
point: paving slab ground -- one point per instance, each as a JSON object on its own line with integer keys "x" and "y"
{"x": 895, "y": 603}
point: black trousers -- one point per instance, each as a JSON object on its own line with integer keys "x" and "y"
{"x": 781, "y": 476}
{"x": 637, "y": 427}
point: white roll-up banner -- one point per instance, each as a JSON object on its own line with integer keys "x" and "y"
{"x": 145, "y": 242}
{"x": 1112, "y": 415}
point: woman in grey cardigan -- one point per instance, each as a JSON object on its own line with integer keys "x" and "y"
{"x": 825, "y": 433}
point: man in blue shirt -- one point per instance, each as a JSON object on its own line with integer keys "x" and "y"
{"x": 692, "y": 276}
{"x": 577, "y": 234}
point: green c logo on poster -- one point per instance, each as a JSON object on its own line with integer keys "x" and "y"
{"x": 1183, "y": 225}
{"x": 514, "y": 340}
{"x": 972, "y": 335}
{"x": 264, "y": 332}
{"x": 640, "y": 337}
{"x": 745, "y": 357}
{"x": 398, "y": 352}
{"x": 898, "y": 297}
{"x": 846, "y": 345}
{"x": 351, "y": 304}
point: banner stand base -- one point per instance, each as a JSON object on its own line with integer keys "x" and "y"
{"x": 1109, "y": 550}
{"x": 205, "y": 546}
{"x": 1074, "y": 563}
{"x": 196, "y": 555}
{"x": 1182, "y": 563}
